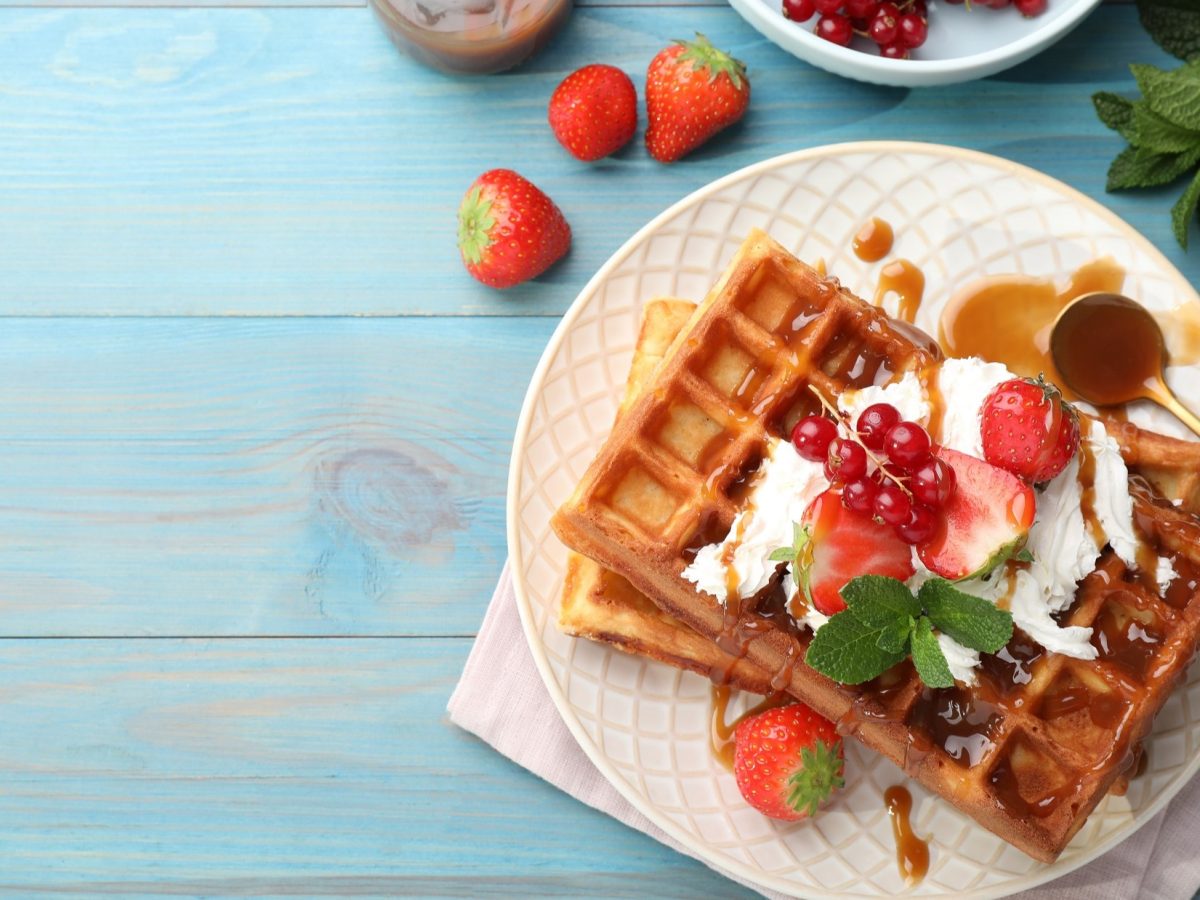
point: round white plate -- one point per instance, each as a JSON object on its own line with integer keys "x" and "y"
{"x": 963, "y": 44}
{"x": 958, "y": 215}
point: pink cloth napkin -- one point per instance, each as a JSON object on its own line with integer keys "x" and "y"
{"x": 501, "y": 698}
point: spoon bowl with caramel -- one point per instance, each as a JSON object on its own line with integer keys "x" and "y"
{"x": 1109, "y": 350}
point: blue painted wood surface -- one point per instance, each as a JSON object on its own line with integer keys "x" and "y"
{"x": 257, "y": 423}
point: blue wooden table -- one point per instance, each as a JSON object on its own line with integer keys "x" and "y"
{"x": 256, "y": 423}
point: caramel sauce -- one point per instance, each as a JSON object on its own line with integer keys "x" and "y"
{"x": 1183, "y": 587}
{"x": 1126, "y": 635}
{"x": 722, "y": 731}
{"x": 912, "y": 853}
{"x": 930, "y": 383}
{"x": 1087, "y": 486}
{"x": 1007, "y": 318}
{"x": 955, "y": 720}
{"x": 906, "y": 281}
{"x": 1006, "y": 672}
{"x": 874, "y": 240}
{"x": 1111, "y": 349}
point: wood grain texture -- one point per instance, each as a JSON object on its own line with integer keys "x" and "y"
{"x": 255, "y": 476}
{"x": 291, "y": 162}
{"x": 301, "y": 767}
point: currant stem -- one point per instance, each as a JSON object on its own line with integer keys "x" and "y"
{"x": 837, "y": 415}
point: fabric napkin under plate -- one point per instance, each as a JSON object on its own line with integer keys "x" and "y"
{"x": 501, "y": 699}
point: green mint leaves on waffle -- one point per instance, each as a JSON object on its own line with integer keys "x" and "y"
{"x": 883, "y": 623}
{"x": 1163, "y": 126}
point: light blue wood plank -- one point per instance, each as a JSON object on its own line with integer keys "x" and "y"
{"x": 255, "y": 476}
{"x": 290, "y": 161}
{"x": 299, "y": 767}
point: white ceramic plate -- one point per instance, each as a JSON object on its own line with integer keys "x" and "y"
{"x": 963, "y": 44}
{"x": 958, "y": 215}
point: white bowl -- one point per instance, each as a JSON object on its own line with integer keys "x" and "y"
{"x": 963, "y": 44}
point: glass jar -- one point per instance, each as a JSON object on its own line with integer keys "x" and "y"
{"x": 471, "y": 36}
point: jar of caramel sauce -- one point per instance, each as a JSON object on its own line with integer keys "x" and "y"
{"x": 471, "y": 36}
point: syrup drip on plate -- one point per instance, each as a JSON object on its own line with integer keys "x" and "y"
{"x": 722, "y": 730}
{"x": 874, "y": 240}
{"x": 1007, "y": 318}
{"x": 912, "y": 853}
{"x": 907, "y": 282}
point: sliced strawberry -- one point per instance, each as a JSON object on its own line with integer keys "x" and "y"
{"x": 844, "y": 544}
{"x": 787, "y": 761}
{"x": 987, "y": 519}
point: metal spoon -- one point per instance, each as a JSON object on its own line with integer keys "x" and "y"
{"x": 1109, "y": 350}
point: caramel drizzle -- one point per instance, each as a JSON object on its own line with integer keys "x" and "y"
{"x": 912, "y": 853}
{"x": 907, "y": 282}
{"x": 722, "y": 732}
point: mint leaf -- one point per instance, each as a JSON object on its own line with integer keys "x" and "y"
{"x": 879, "y": 601}
{"x": 928, "y": 658}
{"x": 1174, "y": 25}
{"x": 1023, "y": 555}
{"x": 1136, "y": 167}
{"x": 971, "y": 621}
{"x": 1152, "y": 131}
{"x": 1184, "y": 211}
{"x": 847, "y": 650}
{"x": 1174, "y": 95}
{"x": 1115, "y": 111}
{"x": 894, "y": 638}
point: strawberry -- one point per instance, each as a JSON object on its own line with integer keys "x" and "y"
{"x": 508, "y": 230}
{"x": 594, "y": 112}
{"x": 1029, "y": 430}
{"x": 693, "y": 90}
{"x": 787, "y": 761}
{"x": 844, "y": 544}
{"x": 987, "y": 519}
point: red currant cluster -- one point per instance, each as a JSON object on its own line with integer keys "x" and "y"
{"x": 909, "y": 485}
{"x": 896, "y": 28}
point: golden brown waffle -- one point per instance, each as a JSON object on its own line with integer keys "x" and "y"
{"x": 1031, "y": 749}
{"x": 601, "y": 605}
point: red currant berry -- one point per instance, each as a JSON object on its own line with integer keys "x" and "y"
{"x": 861, "y": 9}
{"x": 799, "y": 10}
{"x": 933, "y": 482}
{"x": 920, "y": 9}
{"x": 892, "y": 505}
{"x": 847, "y": 461}
{"x": 828, "y": 7}
{"x": 894, "y": 51}
{"x": 874, "y": 422}
{"x": 907, "y": 445}
{"x": 1030, "y": 8}
{"x": 883, "y": 28}
{"x": 860, "y": 495}
{"x": 912, "y": 30}
{"x": 835, "y": 29}
{"x": 920, "y": 526}
{"x": 811, "y": 437}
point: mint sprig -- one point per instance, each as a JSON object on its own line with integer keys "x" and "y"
{"x": 1163, "y": 131}
{"x": 883, "y": 623}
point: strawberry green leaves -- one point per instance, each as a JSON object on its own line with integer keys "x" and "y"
{"x": 884, "y": 622}
{"x": 1163, "y": 131}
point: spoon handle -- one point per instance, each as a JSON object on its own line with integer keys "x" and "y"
{"x": 1185, "y": 415}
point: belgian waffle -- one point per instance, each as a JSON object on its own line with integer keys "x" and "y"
{"x": 1031, "y": 749}
{"x": 601, "y": 605}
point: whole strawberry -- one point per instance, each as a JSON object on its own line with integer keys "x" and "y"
{"x": 787, "y": 761}
{"x": 594, "y": 112}
{"x": 693, "y": 90}
{"x": 508, "y": 230}
{"x": 1028, "y": 429}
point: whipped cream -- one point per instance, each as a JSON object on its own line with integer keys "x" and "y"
{"x": 783, "y": 488}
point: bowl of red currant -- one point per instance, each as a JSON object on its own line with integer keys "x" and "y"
{"x": 914, "y": 43}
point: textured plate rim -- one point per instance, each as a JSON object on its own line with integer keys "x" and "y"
{"x": 702, "y": 852}
{"x": 909, "y": 72}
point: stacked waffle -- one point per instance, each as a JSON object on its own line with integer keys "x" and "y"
{"x": 1028, "y": 750}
